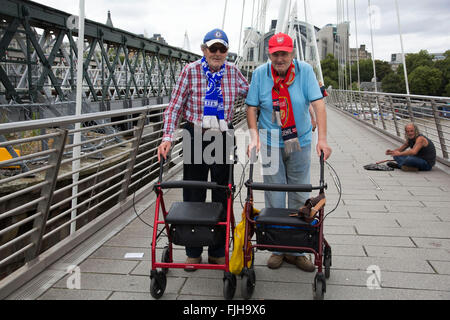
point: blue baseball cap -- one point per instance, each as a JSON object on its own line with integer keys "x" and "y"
{"x": 216, "y": 36}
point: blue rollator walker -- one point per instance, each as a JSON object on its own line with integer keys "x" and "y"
{"x": 280, "y": 229}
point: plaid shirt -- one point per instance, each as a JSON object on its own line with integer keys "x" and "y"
{"x": 188, "y": 95}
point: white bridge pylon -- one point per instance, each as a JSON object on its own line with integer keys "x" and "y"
{"x": 303, "y": 33}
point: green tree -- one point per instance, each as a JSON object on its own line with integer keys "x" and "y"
{"x": 330, "y": 82}
{"x": 444, "y": 66}
{"x": 330, "y": 69}
{"x": 365, "y": 70}
{"x": 420, "y": 59}
{"x": 355, "y": 86}
{"x": 425, "y": 80}
{"x": 393, "y": 83}
{"x": 447, "y": 91}
{"x": 383, "y": 69}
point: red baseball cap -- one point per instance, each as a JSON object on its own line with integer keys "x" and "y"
{"x": 280, "y": 42}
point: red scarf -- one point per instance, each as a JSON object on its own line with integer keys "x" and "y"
{"x": 283, "y": 113}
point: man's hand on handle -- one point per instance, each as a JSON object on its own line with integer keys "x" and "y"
{"x": 164, "y": 149}
{"x": 323, "y": 146}
{"x": 254, "y": 142}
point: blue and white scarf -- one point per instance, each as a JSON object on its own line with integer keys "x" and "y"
{"x": 214, "y": 111}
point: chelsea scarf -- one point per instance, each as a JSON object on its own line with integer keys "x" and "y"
{"x": 283, "y": 113}
{"x": 213, "y": 111}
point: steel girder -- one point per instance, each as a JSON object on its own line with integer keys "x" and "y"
{"x": 38, "y": 57}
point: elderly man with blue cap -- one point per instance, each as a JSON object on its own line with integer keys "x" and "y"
{"x": 204, "y": 96}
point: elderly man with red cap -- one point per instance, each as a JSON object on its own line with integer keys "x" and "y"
{"x": 204, "y": 96}
{"x": 282, "y": 90}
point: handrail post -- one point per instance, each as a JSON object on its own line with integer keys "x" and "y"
{"x": 361, "y": 104}
{"x": 380, "y": 111}
{"x": 439, "y": 129}
{"x": 357, "y": 100}
{"x": 47, "y": 192}
{"x": 351, "y": 102}
{"x": 134, "y": 151}
{"x": 371, "y": 111}
{"x": 339, "y": 99}
{"x": 410, "y": 111}
{"x": 394, "y": 116}
{"x": 345, "y": 105}
{"x": 362, "y": 107}
{"x": 347, "y": 101}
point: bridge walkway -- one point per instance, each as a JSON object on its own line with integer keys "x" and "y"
{"x": 395, "y": 222}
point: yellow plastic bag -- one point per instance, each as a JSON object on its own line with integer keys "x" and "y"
{"x": 237, "y": 257}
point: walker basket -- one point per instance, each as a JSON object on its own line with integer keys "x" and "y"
{"x": 194, "y": 224}
{"x": 276, "y": 228}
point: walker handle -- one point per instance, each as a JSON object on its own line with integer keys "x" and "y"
{"x": 280, "y": 187}
{"x": 253, "y": 158}
{"x": 191, "y": 184}
{"x": 161, "y": 169}
{"x": 322, "y": 175}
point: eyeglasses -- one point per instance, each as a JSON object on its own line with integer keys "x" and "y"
{"x": 213, "y": 49}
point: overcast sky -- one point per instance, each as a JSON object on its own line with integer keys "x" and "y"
{"x": 425, "y": 24}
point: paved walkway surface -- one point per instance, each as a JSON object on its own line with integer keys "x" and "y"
{"x": 395, "y": 225}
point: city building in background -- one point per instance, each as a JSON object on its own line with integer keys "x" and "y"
{"x": 360, "y": 52}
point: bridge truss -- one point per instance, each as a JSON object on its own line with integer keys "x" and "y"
{"x": 38, "y": 58}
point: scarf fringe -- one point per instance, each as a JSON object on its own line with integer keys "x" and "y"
{"x": 291, "y": 145}
{"x": 223, "y": 125}
{"x": 211, "y": 122}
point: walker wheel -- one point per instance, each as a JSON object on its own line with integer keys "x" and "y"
{"x": 319, "y": 287}
{"x": 229, "y": 285}
{"x": 157, "y": 284}
{"x": 248, "y": 282}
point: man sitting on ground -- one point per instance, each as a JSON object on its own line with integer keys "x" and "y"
{"x": 420, "y": 157}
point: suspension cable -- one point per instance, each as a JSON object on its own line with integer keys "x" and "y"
{"x": 224, "y": 14}
{"x": 344, "y": 49}
{"x": 338, "y": 43}
{"x": 403, "y": 51}
{"x": 357, "y": 46}
{"x": 348, "y": 48}
{"x": 373, "y": 50}
{"x": 240, "y": 34}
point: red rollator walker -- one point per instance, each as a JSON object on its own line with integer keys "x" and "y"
{"x": 286, "y": 230}
{"x": 194, "y": 224}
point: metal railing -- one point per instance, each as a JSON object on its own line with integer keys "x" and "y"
{"x": 389, "y": 113}
{"x": 44, "y": 206}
